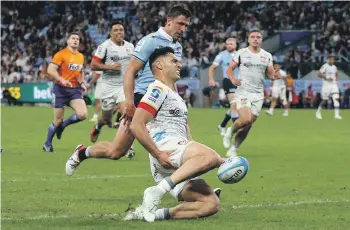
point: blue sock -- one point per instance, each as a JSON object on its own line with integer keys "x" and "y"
{"x": 50, "y": 134}
{"x": 71, "y": 120}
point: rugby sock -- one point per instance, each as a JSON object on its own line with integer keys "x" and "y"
{"x": 162, "y": 214}
{"x": 83, "y": 154}
{"x": 234, "y": 116}
{"x": 165, "y": 186}
{"x": 226, "y": 119}
{"x": 71, "y": 120}
{"x": 336, "y": 111}
{"x": 50, "y": 134}
{"x": 271, "y": 110}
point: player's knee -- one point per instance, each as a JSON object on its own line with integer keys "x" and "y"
{"x": 82, "y": 115}
{"x": 211, "y": 160}
{"x": 210, "y": 206}
{"x": 57, "y": 121}
{"x": 246, "y": 121}
{"x": 115, "y": 154}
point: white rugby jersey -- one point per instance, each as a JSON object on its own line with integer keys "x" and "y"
{"x": 280, "y": 82}
{"x": 252, "y": 70}
{"x": 169, "y": 111}
{"x": 110, "y": 53}
{"x": 330, "y": 71}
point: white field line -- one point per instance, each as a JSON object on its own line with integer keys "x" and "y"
{"x": 66, "y": 178}
{"x": 225, "y": 208}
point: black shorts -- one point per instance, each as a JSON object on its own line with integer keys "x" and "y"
{"x": 137, "y": 98}
{"x": 228, "y": 86}
{"x": 206, "y": 91}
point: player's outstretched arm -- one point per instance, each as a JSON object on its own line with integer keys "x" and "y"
{"x": 129, "y": 84}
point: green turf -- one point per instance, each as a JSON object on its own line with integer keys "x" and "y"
{"x": 299, "y": 176}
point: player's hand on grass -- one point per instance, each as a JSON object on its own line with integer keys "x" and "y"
{"x": 236, "y": 81}
{"x": 128, "y": 112}
{"x": 163, "y": 158}
{"x": 65, "y": 83}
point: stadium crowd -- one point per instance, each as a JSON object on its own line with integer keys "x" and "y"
{"x": 30, "y": 37}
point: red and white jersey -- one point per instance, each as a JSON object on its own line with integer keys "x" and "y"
{"x": 169, "y": 111}
{"x": 331, "y": 72}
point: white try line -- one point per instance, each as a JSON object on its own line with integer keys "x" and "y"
{"x": 66, "y": 178}
{"x": 224, "y": 209}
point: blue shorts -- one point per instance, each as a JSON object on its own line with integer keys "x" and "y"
{"x": 61, "y": 96}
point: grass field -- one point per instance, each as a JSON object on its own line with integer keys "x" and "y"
{"x": 299, "y": 176}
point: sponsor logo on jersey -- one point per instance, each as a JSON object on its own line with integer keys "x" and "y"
{"x": 75, "y": 67}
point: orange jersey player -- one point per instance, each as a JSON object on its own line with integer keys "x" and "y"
{"x": 66, "y": 69}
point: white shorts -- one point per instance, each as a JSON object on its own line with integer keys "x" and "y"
{"x": 159, "y": 173}
{"x": 278, "y": 92}
{"x": 98, "y": 91}
{"x": 109, "y": 101}
{"x": 328, "y": 90}
{"x": 254, "y": 101}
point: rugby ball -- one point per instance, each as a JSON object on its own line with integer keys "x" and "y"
{"x": 233, "y": 170}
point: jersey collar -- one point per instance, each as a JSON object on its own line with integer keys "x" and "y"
{"x": 165, "y": 34}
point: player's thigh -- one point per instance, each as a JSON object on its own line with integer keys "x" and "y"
{"x": 79, "y": 106}
{"x": 123, "y": 139}
{"x": 195, "y": 149}
{"x": 197, "y": 190}
{"x": 108, "y": 103}
{"x": 256, "y": 107}
{"x": 325, "y": 93}
{"x": 275, "y": 93}
{"x": 244, "y": 109}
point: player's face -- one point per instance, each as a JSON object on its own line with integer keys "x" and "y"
{"x": 231, "y": 46}
{"x": 331, "y": 60}
{"x": 172, "y": 67}
{"x": 73, "y": 41}
{"x": 276, "y": 67}
{"x": 117, "y": 33}
{"x": 178, "y": 26}
{"x": 255, "y": 39}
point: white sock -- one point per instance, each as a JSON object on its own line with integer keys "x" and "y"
{"x": 95, "y": 114}
{"x": 87, "y": 152}
{"x": 319, "y": 109}
{"x": 228, "y": 112}
{"x": 234, "y": 115}
{"x": 162, "y": 214}
{"x": 271, "y": 110}
{"x": 165, "y": 186}
{"x": 229, "y": 131}
{"x": 233, "y": 147}
{"x": 286, "y": 110}
{"x": 336, "y": 111}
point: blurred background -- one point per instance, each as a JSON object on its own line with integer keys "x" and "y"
{"x": 300, "y": 35}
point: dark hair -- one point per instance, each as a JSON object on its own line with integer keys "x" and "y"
{"x": 254, "y": 31}
{"x": 115, "y": 23}
{"x": 74, "y": 33}
{"x": 159, "y": 53}
{"x": 179, "y": 10}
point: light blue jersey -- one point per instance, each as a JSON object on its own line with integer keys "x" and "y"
{"x": 224, "y": 59}
{"x": 143, "y": 51}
